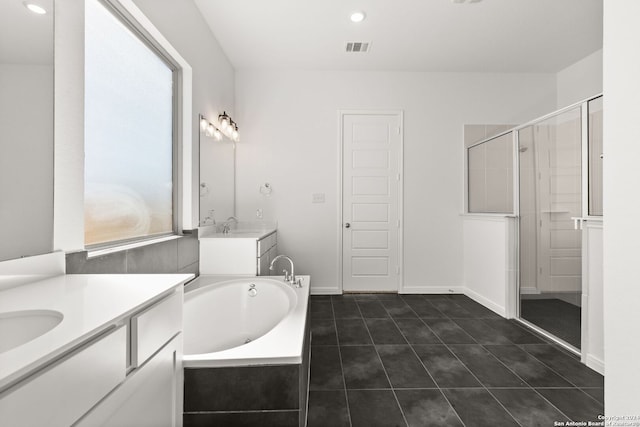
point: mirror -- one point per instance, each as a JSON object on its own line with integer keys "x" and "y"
{"x": 217, "y": 179}
{"x": 26, "y": 129}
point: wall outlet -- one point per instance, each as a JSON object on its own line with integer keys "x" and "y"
{"x": 259, "y": 213}
{"x": 317, "y": 198}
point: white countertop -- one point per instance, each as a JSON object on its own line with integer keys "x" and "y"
{"x": 90, "y": 303}
{"x": 254, "y": 230}
{"x": 239, "y": 234}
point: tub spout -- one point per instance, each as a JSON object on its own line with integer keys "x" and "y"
{"x": 290, "y": 279}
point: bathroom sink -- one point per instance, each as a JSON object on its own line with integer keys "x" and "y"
{"x": 20, "y": 327}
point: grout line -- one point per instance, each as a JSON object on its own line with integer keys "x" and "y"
{"x": 447, "y": 346}
{"x": 425, "y": 368}
{"x": 561, "y": 376}
{"x": 344, "y": 381}
{"x": 523, "y": 380}
{"x": 482, "y": 383}
{"x": 469, "y": 370}
{"x": 382, "y": 364}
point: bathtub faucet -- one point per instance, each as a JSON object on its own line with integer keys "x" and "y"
{"x": 290, "y": 279}
{"x": 226, "y": 227}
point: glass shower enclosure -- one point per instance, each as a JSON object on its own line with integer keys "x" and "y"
{"x": 559, "y": 185}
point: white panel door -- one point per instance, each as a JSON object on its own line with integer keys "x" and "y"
{"x": 560, "y": 194}
{"x": 371, "y": 146}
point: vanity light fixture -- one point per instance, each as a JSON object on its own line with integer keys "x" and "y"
{"x": 213, "y": 131}
{"x": 235, "y": 135}
{"x": 224, "y": 121}
{"x": 228, "y": 127}
{"x": 357, "y": 16}
{"x": 209, "y": 131}
{"x": 35, "y": 8}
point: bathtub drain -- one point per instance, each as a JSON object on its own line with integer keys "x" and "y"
{"x": 247, "y": 341}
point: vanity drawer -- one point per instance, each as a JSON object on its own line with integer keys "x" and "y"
{"x": 62, "y": 393}
{"x": 155, "y": 326}
{"x": 266, "y": 243}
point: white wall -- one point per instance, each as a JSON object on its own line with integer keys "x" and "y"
{"x": 621, "y": 204}
{"x": 592, "y": 293}
{"x": 580, "y": 80}
{"x": 68, "y": 136}
{"x": 26, "y": 159}
{"x": 290, "y": 139}
{"x": 489, "y": 260}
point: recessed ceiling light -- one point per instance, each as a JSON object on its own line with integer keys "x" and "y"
{"x": 35, "y": 8}
{"x": 357, "y": 16}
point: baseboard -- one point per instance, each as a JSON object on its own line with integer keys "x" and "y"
{"x": 595, "y": 364}
{"x": 431, "y": 290}
{"x": 334, "y": 290}
{"x": 529, "y": 291}
{"x": 485, "y": 302}
{"x": 325, "y": 290}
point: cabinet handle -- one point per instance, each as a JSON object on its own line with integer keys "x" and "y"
{"x": 347, "y": 225}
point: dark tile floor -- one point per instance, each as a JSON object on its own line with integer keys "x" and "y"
{"x": 438, "y": 360}
{"x": 555, "y": 316}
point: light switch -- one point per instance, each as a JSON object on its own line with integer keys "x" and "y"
{"x": 317, "y": 198}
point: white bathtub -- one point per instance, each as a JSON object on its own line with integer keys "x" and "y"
{"x": 220, "y": 316}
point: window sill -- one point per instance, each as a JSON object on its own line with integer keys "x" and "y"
{"x": 106, "y": 251}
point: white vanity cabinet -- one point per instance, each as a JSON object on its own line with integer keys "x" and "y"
{"x": 125, "y": 371}
{"x": 238, "y": 254}
{"x": 151, "y": 393}
{"x": 267, "y": 251}
{"x": 63, "y": 392}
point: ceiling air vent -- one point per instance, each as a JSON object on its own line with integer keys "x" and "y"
{"x": 362, "y": 47}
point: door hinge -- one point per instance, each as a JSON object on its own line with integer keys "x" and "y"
{"x": 540, "y": 223}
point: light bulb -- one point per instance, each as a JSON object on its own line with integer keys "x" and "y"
{"x": 203, "y": 124}
{"x": 35, "y": 8}
{"x": 210, "y": 130}
{"x": 224, "y": 124}
{"x": 235, "y": 134}
{"x": 357, "y": 16}
{"x": 217, "y": 135}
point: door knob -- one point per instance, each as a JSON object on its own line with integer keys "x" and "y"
{"x": 347, "y": 225}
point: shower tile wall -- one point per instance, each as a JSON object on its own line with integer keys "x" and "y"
{"x": 259, "y": 395}
{"x": 173, "y": 256}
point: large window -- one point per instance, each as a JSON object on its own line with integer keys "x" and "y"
{"x": 129, "y": 133}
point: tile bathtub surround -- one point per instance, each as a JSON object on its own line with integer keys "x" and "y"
{"x": 172, "y": 256}
{"x": 264, "y": 395}
{"x": 438, "y": 360}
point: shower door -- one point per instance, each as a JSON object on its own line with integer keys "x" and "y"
{"x": 550, "y": 190}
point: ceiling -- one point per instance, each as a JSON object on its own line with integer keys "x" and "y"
{"x": 26, "y": 38}
{"x": 537, "y": 36}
